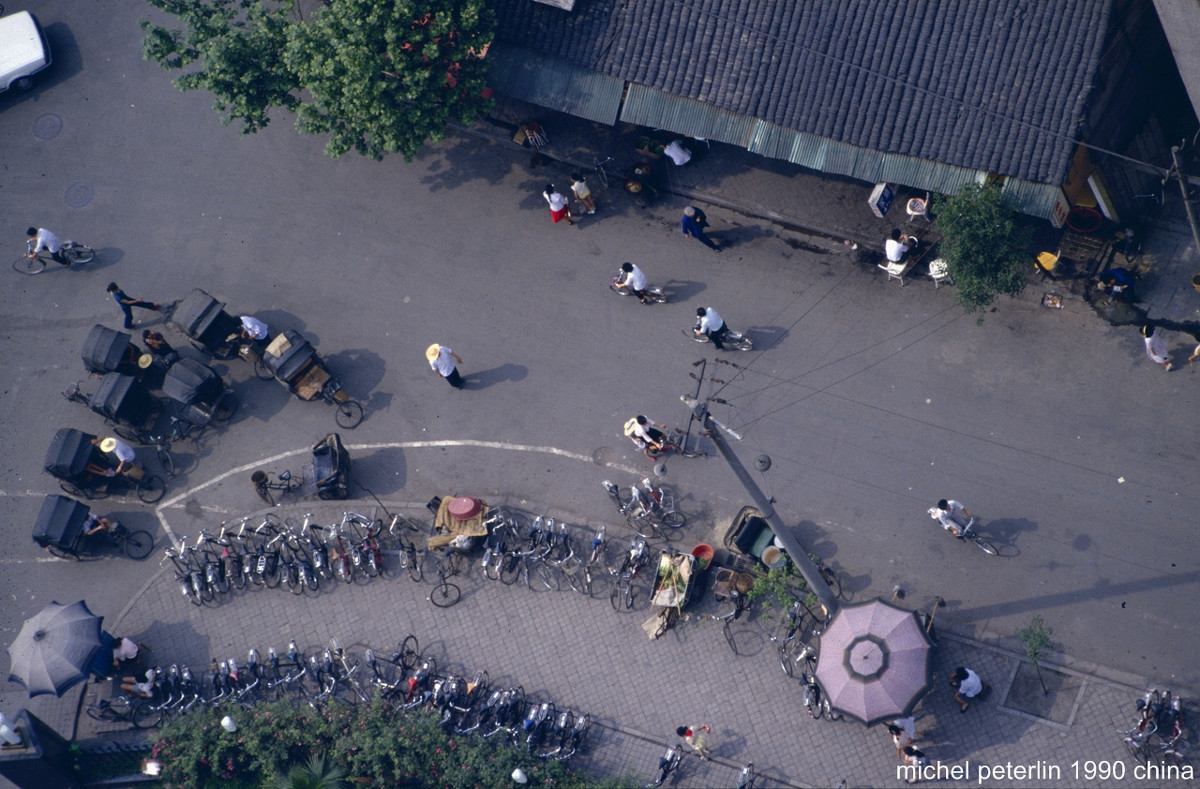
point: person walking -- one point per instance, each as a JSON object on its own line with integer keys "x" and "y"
{"x": 904, "y": 733}
{"x": 442, "y": 360}
{"x": 696, "y": 738}
{"x": 968, "y": 685}
{"x": 127, "y": 302}
{"x": 916, "y": 758}
{"x": 1156, "y": 347}
{"x": 560, "y": 207}
{"x": 582, "y": 193}
{"x": 693, "y": 224}
{"x": 40, "y": 238}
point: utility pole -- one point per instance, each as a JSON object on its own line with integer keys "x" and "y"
{"x": 791, "y": 545}
{"x": 1183, "y": 189}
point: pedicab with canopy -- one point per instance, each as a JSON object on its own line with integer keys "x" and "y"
{"x": 80, "y": 466}
{"x": 294, "y": 362}
{"x": 62, "y": 525}
{"x": 109, "y": 351}
{"x": 202, "y": 395}
{"x": 208, "y": 327}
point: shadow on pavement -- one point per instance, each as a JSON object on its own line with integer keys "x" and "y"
{"x": 485, "y": 378}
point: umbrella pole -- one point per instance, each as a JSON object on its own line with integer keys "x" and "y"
{"x": 938, "y": 603}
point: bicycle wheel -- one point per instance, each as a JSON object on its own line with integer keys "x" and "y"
{"x": 349, "y": 414}
{"x": 104, "y": 713}
{"x": 151, "y": 488}
{"x": 492, "y": 570}
{"x": 264, "y": 493}
{"x": 138, "y": 544}
{"x": 261, "y": 371}
{"x": 226, "y": 407}
{"x": 573, "y": 577}
{"x": 830, "y": 712}
{"x": 984, "y": 545}
{"x": 816, "y": 707}
{"x": 673, "y": 520}
{"x": 311, "y": 582}
{"x": 601, "y": 174}
{"x": 416, "y": 570}
{"x": 729, "y": 639}
{"x": 145, "y": 716}
{"x": 28, "y": 265}
{"x": 129, "y": 434}
{"x": 410, "y": 652}
{"x": 271, "y": 577}
{"x": 78, "y": 253}
{"x": 445, "y": 595}
{"x": 165, "y": 460}
{"x": 510, "y": 569}
{"x": 548, "y": 576}
{"x": 785, "y": 659}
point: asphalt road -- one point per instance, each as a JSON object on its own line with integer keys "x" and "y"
{"x": 873, "y": 401}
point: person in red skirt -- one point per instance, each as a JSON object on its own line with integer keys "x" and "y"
{"x": 560, "y": 207}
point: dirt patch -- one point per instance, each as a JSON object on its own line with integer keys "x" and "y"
{"x": 1026, "y": 694}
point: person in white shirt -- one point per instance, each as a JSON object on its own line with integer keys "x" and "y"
{"x": 953, "y": 516}
{"x": 646, "y": 431}
{"x": 253, "y": 328}
{"x": 634, "y": 278}
{"x": 40, "y": 238}
{"x": 712, "y": 324}
{"x": 897, "y": 246}
{"x": 560, "y": 207}
{"x": 442, "y": 360}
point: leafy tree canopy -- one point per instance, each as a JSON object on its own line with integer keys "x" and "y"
{"x": 983, "y": 245}
{"x": 377, "y": 76}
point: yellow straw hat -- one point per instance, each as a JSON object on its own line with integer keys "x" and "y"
{"x": 432, "y": 351}
{"x": 108, "y": 444}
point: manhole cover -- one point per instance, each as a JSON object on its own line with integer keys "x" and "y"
{"x": 79, "y": 194}
{"x": 47, "y": 127}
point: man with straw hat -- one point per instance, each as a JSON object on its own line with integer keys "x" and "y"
{"x": 123, "y": 452}
{"x": 442, "y": 360}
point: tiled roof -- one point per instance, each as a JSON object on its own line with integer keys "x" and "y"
{"x": 995, "y": 85}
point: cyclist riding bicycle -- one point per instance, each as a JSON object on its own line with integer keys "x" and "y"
{"x": 953, "y": 516}
{"x": 644, "y": 432}
{"x": 634, "y": 278}
{"x": 709, "y": 322}
{"x": 40, "y": 238}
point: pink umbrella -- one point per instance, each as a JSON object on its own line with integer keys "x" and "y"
{"x": 875, "y": 661}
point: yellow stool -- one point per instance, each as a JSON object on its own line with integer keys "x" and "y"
{"x": 1047, "y": 262}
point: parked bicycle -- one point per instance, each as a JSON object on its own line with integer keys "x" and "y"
{"x": 283, "y": 482}
{"x": 623, "y": 591}
{"x": 446, "y": 594}
{"x": 120, "y": 709}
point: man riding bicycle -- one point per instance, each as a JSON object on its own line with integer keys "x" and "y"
{"x": 645, "y": 433}
{"x": 634, "y": 278}
{"x": 712, "y": 324}
{"x": 953, "y": 516}
{"x": 40, "y": 238}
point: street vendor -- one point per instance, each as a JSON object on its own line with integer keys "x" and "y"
{"x": 253, "y": 329}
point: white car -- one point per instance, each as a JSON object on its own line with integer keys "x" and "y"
{"x": 23, "y": 50}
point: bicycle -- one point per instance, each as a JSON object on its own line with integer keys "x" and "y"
{"x": 73, "y": 251}
{"x": 446, "y": 594}
{"x": 284, "y": 482}
{"x": 1137, "y": 739}
{"x": 741, "y": 604}
{"x": 178, "y": 430}
{"x": 598, "y": 168}
{"x": 622, "y": 595}
{"x": 967, "y": 533}
{"x": 597, "y": 563}
{"x": 122, "y": 709}
{"x": 668, "y": 764}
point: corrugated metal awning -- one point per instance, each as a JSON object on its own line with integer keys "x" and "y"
{"x": 557, "y": 84}
{"x": 649, "y": 107}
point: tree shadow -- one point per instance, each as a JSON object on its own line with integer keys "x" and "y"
{"x": 485, "y": 378}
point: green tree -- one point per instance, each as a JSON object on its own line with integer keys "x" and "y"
{"x": 984, "y": 247}
{"x": 1036, "y": 640}
{"x": 313, "y": 774}
{"x": 377, "y": 76}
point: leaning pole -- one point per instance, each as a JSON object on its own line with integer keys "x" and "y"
{"x": 791, "y": 545}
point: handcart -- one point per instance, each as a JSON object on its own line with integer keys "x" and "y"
{"x": 109, "y": 351}
{"x": 672, "y": 591}
{"x": 294, "y": 362}
{"x": 62, "y": 525}
{"x": 329, "y": 474}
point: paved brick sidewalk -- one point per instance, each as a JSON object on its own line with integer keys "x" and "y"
{"x": 579, "y": 653}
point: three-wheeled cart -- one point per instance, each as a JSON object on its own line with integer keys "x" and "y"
{"x": 123, "y": 401}
{"x": 672, "y": 591}
{"x": 78, "y": 463}
{"x": 109, "y": 351}
{"x": 294, "y": 362}
{"x": 329, "y": 474}
{"x": 61, "y": 528}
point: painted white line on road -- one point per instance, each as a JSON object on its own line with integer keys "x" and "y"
{"x": 465, "y": 442}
